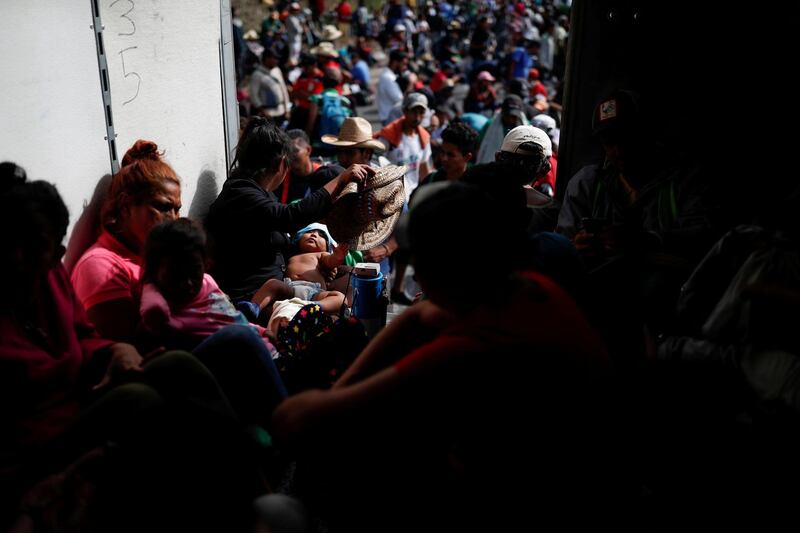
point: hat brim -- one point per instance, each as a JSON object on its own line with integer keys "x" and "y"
{"x": 368, "y": 237}
{"x": 324, "y": 52}
{"x": 383, "y": 176}
{"x": 332, "y": 36}
{"x": 370, "y": 143}
{"x": 363, "y": 236}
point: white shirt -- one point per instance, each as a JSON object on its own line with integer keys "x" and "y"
{"x": 389, "y": 93}
{"x": 411, "y": 154}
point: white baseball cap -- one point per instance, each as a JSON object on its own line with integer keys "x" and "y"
{"x": 515, "y": 140}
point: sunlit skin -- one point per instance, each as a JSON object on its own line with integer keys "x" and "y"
{"x": 313, "y": 241}
{"x": 139, "y": 219}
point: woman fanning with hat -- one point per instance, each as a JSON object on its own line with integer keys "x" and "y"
{"x": 247, "y": 224}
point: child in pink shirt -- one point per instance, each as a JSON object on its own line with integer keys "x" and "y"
{"x": 179, "y": 300}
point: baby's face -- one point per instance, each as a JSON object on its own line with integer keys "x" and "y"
{"x": 180, "y": 283}
{"x": 313, "y": 241}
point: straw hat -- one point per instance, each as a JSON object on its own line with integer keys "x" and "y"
{"x": 330, "y": 32}
{"x": 365, "y": 216}
{"x": 356, "y": 132}
{"x": 325, "y": 49}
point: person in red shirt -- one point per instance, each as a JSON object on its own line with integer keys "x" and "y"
{"x": 344, "y": 15}
{"x": 64, "y": 392}
{"x": 344, "y": 11}
{"x": 431, "y": 417}
{"x": 535, "y": 85}
{"x": 309, "y": 84}
{"x": 444, "y": 79}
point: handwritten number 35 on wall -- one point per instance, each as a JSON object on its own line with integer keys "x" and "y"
{"x": 132, "y": 74}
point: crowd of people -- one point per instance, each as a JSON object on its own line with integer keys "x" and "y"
{"x": 621, "y": 357}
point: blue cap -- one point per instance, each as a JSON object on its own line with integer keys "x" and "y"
{"x": 319, "y": 227}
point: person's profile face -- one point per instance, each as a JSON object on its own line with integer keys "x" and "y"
{"x": 301, "y": 155}
{"x": 162, "y": 206}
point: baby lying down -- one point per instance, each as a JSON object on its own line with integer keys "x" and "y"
{"x": 306, "y": 274}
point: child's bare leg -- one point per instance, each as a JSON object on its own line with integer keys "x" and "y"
{"x": 330, "y": 301}
{"x": 271, "y": 291}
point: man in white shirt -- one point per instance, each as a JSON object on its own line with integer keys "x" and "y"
{"x": 389, "y": 93}
{"x": 408, "y": 143}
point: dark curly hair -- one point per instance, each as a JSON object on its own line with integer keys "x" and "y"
{"x": 462, "y": 136}
{"x": 141, "y": 177}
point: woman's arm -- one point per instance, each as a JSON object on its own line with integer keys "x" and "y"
{"x": 353, "y": 173}
{"x": 311, "y": 410}
{"x": 262, "y": 210}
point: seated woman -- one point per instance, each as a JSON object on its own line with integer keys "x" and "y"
{"x": 461, "y": 395}
{"x": 145, "y": 192}
{"x": 247, "y": 225}
{"x": 64, "y": 391}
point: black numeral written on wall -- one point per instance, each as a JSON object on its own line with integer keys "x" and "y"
{"x": 129, "y": 73}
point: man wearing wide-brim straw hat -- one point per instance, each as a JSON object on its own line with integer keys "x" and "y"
{"x": 330, "y": 33}
{"x": 325, "y": 49}
{"x": 354, "y": 144}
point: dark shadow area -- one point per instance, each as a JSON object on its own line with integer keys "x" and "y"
{"x": 205, "y": 194}
{"x": 87, "y": 227}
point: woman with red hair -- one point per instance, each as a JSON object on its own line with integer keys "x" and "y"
{"x": 144, "y": 192}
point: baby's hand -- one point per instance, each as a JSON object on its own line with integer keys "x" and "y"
{"x": 339, "y": 253}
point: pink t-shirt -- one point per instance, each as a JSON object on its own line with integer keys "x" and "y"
{"x": 208, "y": 312}
{"x": 106, "y": 271}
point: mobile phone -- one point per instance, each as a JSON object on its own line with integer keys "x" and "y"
{"x": 594, "y": 225}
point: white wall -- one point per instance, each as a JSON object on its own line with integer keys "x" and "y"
{"x": 164, "y": 66}
{"x": 51, "y": 110}
{"x": 168, "y": 90}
